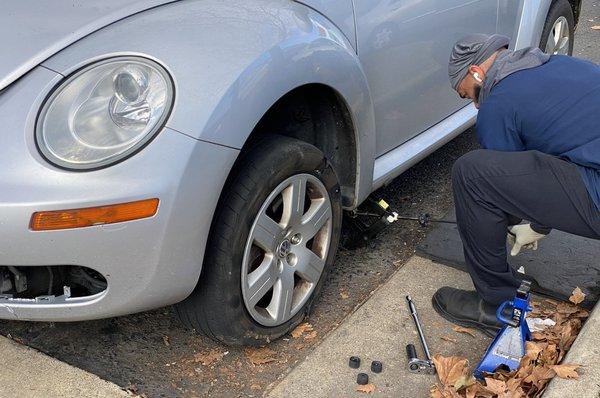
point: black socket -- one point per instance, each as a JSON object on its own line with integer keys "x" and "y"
{"x": 362, "y": 379}
{"x": 354, "y": 362}
{"x": 376, "y": 367}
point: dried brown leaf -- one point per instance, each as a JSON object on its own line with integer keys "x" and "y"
{"x": 498, "y": 387}
{"x": 513, "y": 385}
{"x": 525, "y": 368}
{"x": 532, "y": 350}
{"x": 539, "y": 376}
{"x": 210, "y": 357}
{"x": 435, "y": 392}
{"x": 581, "y": 314}
{"x": 566, "y": 371}
{"x": 566, "y": 308}
{"x": 132, "y": 388}
{"x": 479, "y": 391}
{"x": 444, "y": 392}
{"x": 301, "y": 329}
{"x": 551, "y": 302}
{"x": 310, "y": 335}
{"x": 344, "y": 294}
{"x": 260, "y": 356}
{"x": 464, "y": 382}
{"x": 568, "y": 334}
{"x": 549, "y": 355}
{"x": 448, "y": 338}
{"x": 460, "y": 329}
{"x": 367, "y": 388}
{"x": 449, "y": 369}
{"x": 518, "y": 393}
{"x": 577, "y": 296}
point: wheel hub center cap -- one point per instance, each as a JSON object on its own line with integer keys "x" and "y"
{"x": 284, "y": 248}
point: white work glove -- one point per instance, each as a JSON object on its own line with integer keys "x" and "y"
{"x": 522, "y": 236}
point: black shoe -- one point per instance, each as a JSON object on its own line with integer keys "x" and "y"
{"x": 467, "y": 309}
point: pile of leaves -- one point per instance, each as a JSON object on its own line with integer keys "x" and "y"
{"x": 540, "y": 364}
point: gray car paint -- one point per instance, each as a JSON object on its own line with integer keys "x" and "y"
{"x": 149, "y": 262}
{"x": 242, "y": 74}
{"x": 390, "y": 30}
{"x": 226, "y": 60}
{"x": 339, "y": 12}
{"x": 531, "y": 23}
{"x": 32, "y": 32}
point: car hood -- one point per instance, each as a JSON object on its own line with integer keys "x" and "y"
{"x": 32, "y": 31}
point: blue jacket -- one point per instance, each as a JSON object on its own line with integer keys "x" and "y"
{"x": 553, "y": 108}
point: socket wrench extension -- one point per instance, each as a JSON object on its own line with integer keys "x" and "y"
{"x": 415, "y": 364}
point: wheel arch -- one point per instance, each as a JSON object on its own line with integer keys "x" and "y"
{"x": 321, "y": 73}
{"x": 532, "y": 17}
{"x": 319, "y": 115}
{"x": 231, "y": 62}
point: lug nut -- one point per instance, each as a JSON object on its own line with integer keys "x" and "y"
{"x": 292, "y": 259}
{"x": 354, "y": 362}
{"x": 376, "y": 367}
{"x": 362, "y": 379}
{"x": 296, "y": 239}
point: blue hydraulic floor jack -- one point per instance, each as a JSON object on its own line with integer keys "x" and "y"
{"x": 508, "y": 346}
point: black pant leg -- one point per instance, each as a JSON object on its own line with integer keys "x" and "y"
{"x": 492, "y": 187}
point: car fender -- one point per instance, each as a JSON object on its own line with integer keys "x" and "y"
{"x": 231, "y": 61}
{"x": 533, "y": 14}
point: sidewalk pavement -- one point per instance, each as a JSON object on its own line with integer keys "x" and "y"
{"x": 380, "y": 330}
{"x": 27, "y": 373}
{"x": 382, "y": 326}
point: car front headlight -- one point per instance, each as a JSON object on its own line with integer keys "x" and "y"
{"x": 104, "y": 113}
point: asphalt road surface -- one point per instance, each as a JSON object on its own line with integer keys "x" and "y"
{"x": 153, "y": 354}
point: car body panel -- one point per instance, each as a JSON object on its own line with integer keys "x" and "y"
{"x": 147, "y": 263}
{"x": 410, "y": 153}
{"x": 32, "y": 32}
{"x": 389, "y": 30}
{"x": 508, "y": 18}
{"x": 242, "y": 75}
{"x": 532, "y": 17}
{"x": 340, "y": 12}
{"x": 396, "y": 161}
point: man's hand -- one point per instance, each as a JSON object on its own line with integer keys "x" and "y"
{"x": 523, "y": 237}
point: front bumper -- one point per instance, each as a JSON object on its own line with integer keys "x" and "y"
{"x": 147, "y": 263}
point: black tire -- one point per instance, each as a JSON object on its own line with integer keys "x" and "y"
{"x": 216, "y": 307}
{"x": 559, "y": 8}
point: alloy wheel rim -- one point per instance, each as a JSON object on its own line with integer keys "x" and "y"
{"x": 286, "y": 249}
{"x": 559, "y": 37}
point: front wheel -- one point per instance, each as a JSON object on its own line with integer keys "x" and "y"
{"x": 272, "y": 242}
{"x": 559, "y": 29}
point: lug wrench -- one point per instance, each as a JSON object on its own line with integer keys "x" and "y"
{"x": 424, "y": 219}
{"x": 416, "y": 365}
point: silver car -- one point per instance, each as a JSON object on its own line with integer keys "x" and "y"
{"x": 201, "y": 152}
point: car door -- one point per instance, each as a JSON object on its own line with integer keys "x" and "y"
{"x": 404, "y": 47}
{"x": 508, "y": 18}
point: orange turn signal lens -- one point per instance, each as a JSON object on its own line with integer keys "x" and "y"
{"x": 79, "y": 218}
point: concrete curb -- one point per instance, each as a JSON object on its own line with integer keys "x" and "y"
{"x": 27, "y": 373}
{"x": 586, "y": 352}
